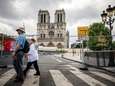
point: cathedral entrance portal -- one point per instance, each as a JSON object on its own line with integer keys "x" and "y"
{"x": 59, "y": 45}
{"x": 50, "y": 44}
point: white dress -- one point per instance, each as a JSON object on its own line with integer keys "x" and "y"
{"x": 33, "y": 53}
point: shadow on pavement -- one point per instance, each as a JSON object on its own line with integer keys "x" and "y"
{"x": 12, "y": 83}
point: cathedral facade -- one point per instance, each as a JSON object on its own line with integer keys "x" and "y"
{"x": 52, "y": 34}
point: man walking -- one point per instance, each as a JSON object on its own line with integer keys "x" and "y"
{"x": 18, "y": 55}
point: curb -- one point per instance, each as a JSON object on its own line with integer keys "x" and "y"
{"x": 89, "y": 65}
{"x": 3, "y": 66}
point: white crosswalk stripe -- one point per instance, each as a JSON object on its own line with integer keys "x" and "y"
{"x": 6, "y": 76}
{"x": 103, "y": 75}
{"x": 89, "y": 80}
{"x": 86, "y": 78}
{"x": 31, "y": 80}
{"x": 58, "y": 60}
{"x": 59, "y": 78}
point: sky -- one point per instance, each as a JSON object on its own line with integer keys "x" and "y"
{"x": 15, "y": 13}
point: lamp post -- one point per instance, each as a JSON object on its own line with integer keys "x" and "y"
{"x": 108, "y": 18}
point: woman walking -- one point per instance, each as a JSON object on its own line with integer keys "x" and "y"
{"x": 32, "y": 57}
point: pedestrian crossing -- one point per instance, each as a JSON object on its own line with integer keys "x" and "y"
{"x": 86, "y": 78}
{"x": 103, "y": 75}
{"x": 6, "y": 76}
{"x": 31, "y": 80}
{"x": 61, "y": 79}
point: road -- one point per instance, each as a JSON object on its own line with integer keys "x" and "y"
{"x": 56, "y": 71}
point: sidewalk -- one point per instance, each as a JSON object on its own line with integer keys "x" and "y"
{"x": 77, "y": 58}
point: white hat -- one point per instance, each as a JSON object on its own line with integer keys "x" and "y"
{"x": 21, "y": 29}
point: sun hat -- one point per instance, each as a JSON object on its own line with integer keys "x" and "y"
{"x": 20, "y": 29}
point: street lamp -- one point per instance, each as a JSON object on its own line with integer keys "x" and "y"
{"x": 114, "y": 10}
{"x": 104, "y": 16}
{"x": 108, "y": 18}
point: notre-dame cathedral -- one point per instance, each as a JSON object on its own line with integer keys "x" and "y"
{"x": 52, "y": 34}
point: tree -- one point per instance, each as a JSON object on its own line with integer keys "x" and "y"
{"x": 113, "y": 45}
{"x": 78, "y": 45}
{"x": 99, "y": 37}
{"x": 84, "y": 43}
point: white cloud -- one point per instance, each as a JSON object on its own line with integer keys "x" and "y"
{"x": 20, "y": 6}
{"x": 74, "y": 4}
{"x": 78, "y": 12}
{"x": 30, "y": 25}
{"x": 6, "y": 29}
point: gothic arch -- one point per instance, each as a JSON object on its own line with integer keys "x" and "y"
{"x": 59, "y": 45}
{"x": 50, "y": 44}
{"x": 51, "y": 34}
{"x": 42, "y": 45}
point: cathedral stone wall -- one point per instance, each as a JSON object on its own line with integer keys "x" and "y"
{"x": 52, "y": 34}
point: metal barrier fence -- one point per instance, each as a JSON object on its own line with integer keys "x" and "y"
{"x": 97, "y": 50}
{"x": 99, "y": 56}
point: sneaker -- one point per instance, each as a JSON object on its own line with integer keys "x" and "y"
{"x": 16, "y": 77}
{"x": 19, "y": 80}
{"x": 36, "y": 74}
{"x": 24, "y": 73}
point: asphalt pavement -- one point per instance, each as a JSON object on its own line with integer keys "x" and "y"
{"x": 56, "y": 71}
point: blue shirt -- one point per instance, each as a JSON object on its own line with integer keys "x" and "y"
{"x": 21, "y": 40}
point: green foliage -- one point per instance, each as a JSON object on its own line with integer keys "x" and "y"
{"x": 61, "y": 51}
{"x": 84, "y": 43}
{"x": 99, "y": 37}
{"x": 113, "y": 45}
{"x": 79, "y": 45}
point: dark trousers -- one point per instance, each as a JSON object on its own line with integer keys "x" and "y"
{"x": 35, "y": 66}
{"x": 18, "y": 63}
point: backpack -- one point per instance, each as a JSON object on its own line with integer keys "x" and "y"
{"x": 26, "y": 47}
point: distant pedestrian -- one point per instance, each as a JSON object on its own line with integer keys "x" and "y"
{"x": 18, "y": 55}
{"x": 32, "y": 57}
{"x": 73, "y": 52}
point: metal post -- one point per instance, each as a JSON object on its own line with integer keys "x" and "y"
{"x": 1, "y": 54}
{"x": 62, "y": 52}
{"x": 2, "y": 45}
{"x": 111, "y": 58}
{"x": 84, "y": 67}
{"x": 103, "y": 55}
{"x": 109, "y": 19}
